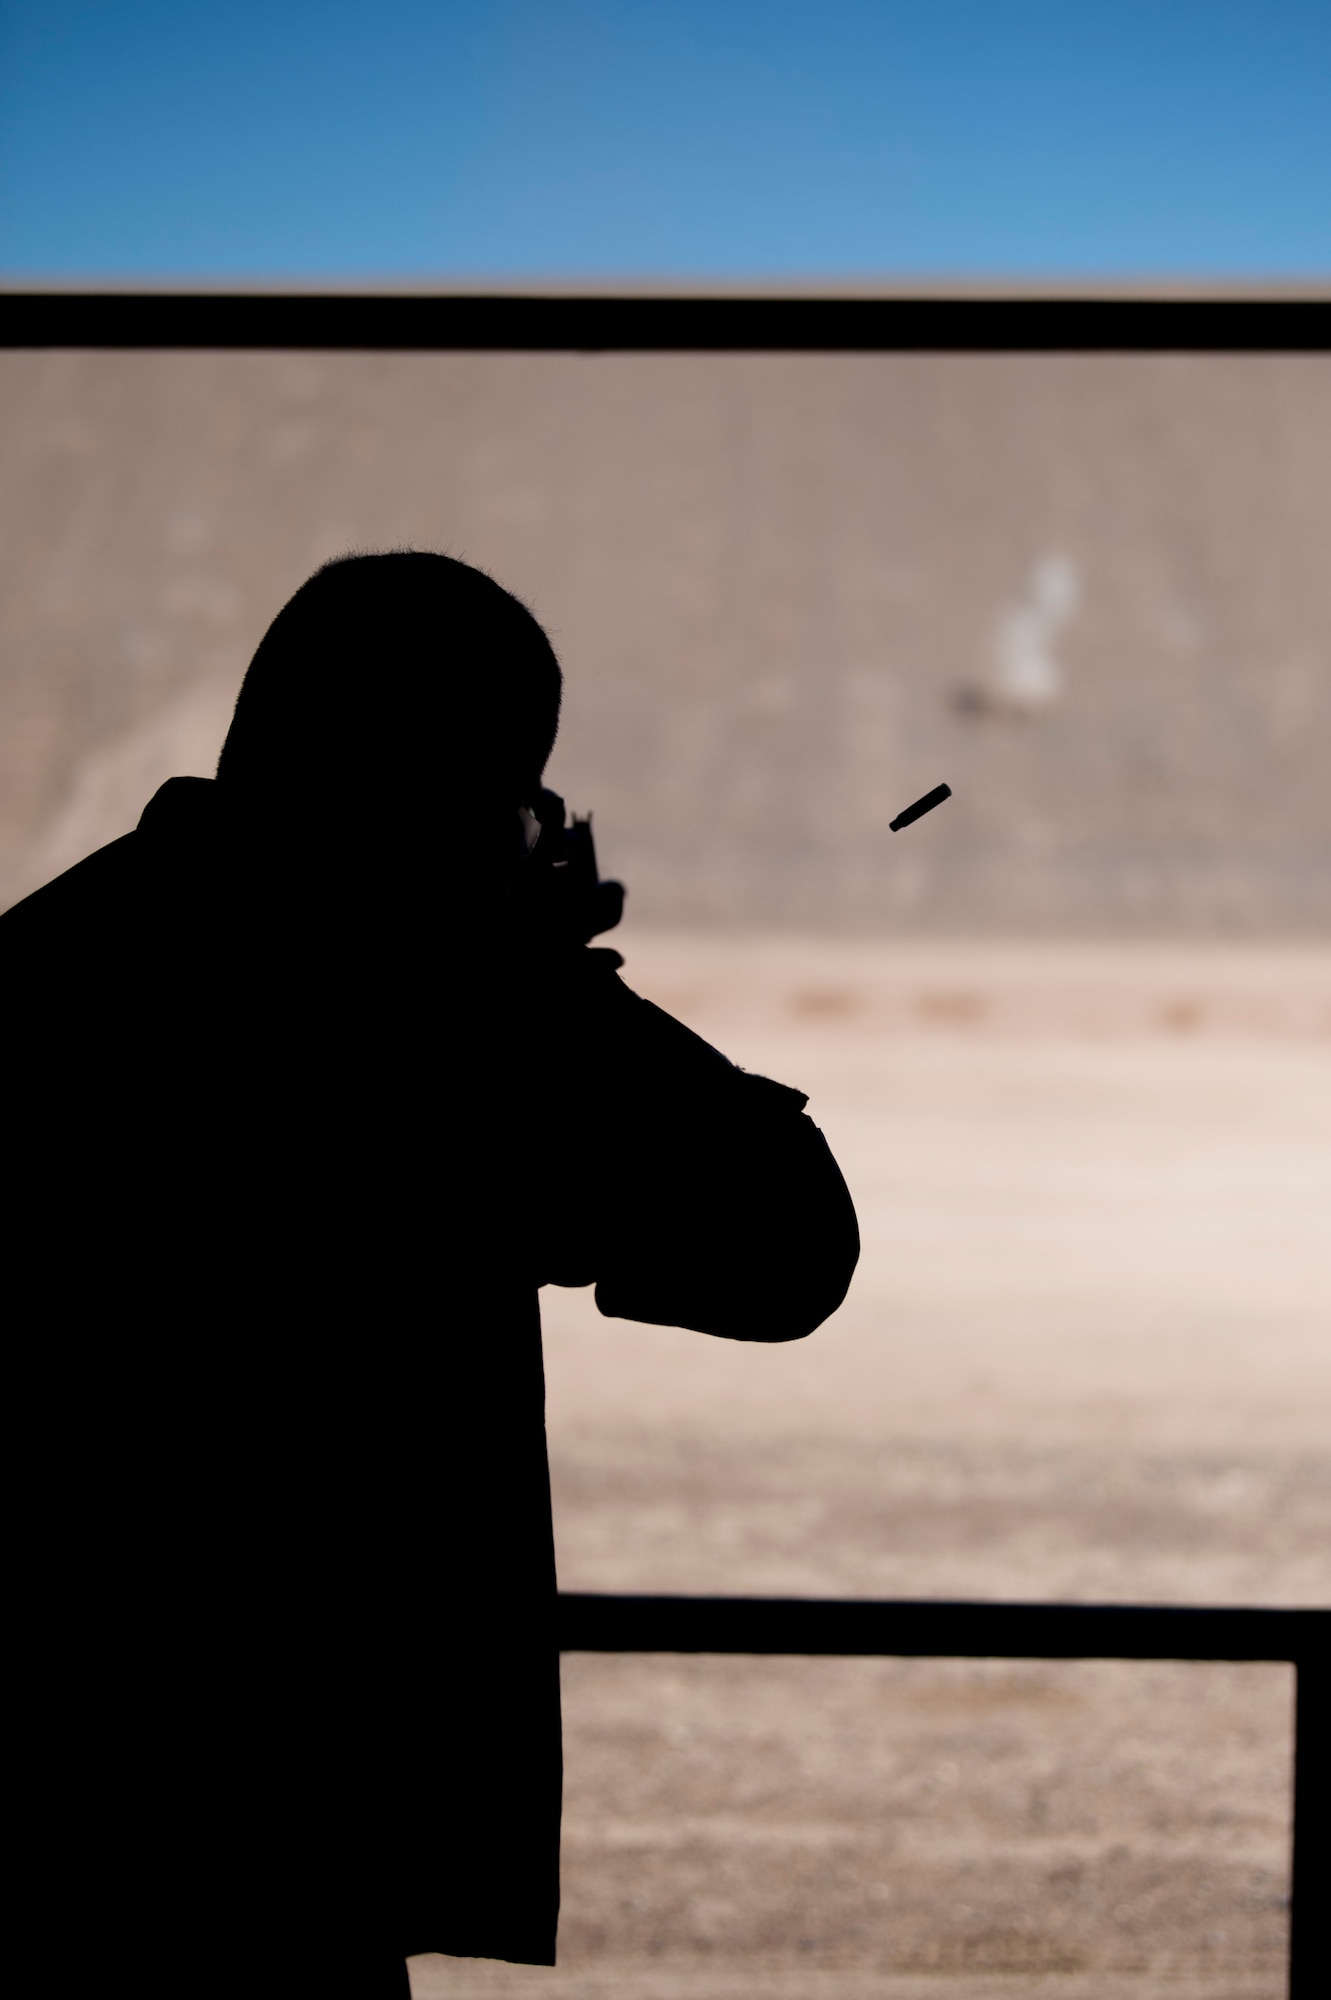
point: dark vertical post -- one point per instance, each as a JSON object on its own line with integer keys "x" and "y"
{"x": 1310, "y": 1874}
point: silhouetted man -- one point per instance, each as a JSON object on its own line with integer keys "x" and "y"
{"x": 313, "y": 1084}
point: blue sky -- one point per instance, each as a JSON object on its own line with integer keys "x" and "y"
{"x": 625, "y": 138}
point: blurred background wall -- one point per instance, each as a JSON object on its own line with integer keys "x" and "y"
{"x": 790, "y": 594}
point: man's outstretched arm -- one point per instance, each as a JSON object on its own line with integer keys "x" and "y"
{"x": 716, "y": 1203}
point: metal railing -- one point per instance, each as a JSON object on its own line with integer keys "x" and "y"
{"x": 498, "y": 323}
{"x": 866, "y": 1627}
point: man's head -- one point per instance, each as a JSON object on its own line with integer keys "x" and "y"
{"x": 393, "y": 680}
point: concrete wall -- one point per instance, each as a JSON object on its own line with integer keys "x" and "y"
{"x": 790, "y": 593}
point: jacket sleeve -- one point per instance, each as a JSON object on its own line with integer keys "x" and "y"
{"x": 707, "y": 1198}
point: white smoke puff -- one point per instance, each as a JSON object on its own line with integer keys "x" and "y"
{"x": 1027, "y": 677}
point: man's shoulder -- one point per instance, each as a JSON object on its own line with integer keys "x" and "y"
{"x": 102, "y": 888}
{"x": 85, "y": 893}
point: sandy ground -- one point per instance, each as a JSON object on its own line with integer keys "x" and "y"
{"x": 1087, "y": 1356}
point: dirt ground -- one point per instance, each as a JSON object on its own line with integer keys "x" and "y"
{"x": 1087, "y": 1357}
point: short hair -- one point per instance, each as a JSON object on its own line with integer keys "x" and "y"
{"x": 384, "y": 670}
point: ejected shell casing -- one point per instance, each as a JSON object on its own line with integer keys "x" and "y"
{"x": 921, "y": 806}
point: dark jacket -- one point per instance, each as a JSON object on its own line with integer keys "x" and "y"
{"x": 290, "y": 1148}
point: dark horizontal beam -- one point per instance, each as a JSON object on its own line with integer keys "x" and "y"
{"x": 604, "y": 1624}
{"x": 348, "y": 322}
